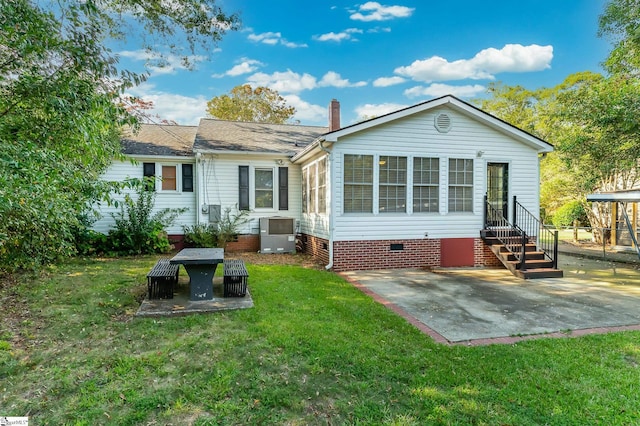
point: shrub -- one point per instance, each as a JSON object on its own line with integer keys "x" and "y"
{"x": 138, "y": 230}
{"x": 201, "y": 235}
{"x": 229, "y": 225}
{"x": 568, "y": 213}
{"x": 219, "y": 234}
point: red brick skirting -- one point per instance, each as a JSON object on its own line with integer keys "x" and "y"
{"x": 246, "y": 242}
{"x": 392, "y": 254}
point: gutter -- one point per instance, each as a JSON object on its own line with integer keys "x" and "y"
{"x": 329, "y": 156}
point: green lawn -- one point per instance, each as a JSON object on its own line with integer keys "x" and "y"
{"x": 313, "y": 350}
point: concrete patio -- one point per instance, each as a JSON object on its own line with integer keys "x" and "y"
{"x": 181, "y": 305}
{"x": 483, "y": 306}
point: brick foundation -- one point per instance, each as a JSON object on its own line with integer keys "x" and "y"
{"x": 317, "y": 247}
{"x": 422, "y": 253}
{"x": 246, "y": 242}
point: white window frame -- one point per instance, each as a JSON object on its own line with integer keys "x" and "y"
{"x": 254, "y": 188}
{"x": 395, "y": 185}
{"x": 160, "y": 177}
{"x": 463, "y": 185}
{"x": 423, "y": 185}
{"x": 372, "y": 185}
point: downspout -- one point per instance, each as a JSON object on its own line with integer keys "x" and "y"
{"x": 322, "y": 148}
{"x": 196, "y": 174}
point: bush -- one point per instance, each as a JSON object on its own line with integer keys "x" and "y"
{"x": 137, "y": 230}
{"x": 568, "y": 213}
{"x": 219, "y": 234}
{"x": 201, "y": 235}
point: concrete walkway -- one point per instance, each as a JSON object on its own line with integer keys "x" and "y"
{"x": 483, "y": 306}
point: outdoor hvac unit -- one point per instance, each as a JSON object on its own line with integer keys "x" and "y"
{"x": 277, "y": 235}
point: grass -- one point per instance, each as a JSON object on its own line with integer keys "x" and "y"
{"x": 313, "y": 350}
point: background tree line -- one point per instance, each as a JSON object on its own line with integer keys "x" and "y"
{"x": 592, "y": 119}
{"x": 61, "y": 111}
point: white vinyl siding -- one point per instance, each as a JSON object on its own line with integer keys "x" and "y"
{"x": 416, "y": 137}
{"x": 218, "y": 180}
{"x": 123, "y": 170}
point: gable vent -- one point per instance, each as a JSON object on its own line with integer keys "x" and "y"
{"x": 442, "y": 122}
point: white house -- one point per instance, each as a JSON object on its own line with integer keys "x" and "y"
{"x": 402, "y": 190}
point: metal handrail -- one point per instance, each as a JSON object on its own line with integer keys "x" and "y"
{"x": 510, "y": 236}
{"x": 545, "y": 239}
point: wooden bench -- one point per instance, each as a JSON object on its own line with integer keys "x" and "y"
{"x": 235, "y": 278}
{"x": 161, "y": 279}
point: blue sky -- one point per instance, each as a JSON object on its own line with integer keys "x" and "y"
{"x": 375, "y": 57}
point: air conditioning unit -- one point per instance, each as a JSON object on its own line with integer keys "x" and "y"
{"x": 277, "y": 234}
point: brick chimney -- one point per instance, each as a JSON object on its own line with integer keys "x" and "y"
{"x": 334, "y": 115}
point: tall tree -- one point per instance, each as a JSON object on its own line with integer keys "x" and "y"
{"x": 243, "y": 103}
{"x": 59, "y": 115}
{"x": 620, "y": 23}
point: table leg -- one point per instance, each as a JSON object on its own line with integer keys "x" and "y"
{"x": 201, "y": 281}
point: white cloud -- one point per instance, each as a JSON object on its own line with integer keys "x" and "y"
{"x": 438, "y": 89}
{"x": 284, "y": 82}
{"x": 246, "y": 66}
{"x": 484, "y": 65}
{"x": 184, "y": 110}
{"x": 388, "y": 81}
{"x": 306, "y": 112}
{"x": 338, "y": 37}
{"x": 272, "y": 39}
{"x": 377, "y": 110}
{"x": 333, "y": 79}
{"x": 374, "y": 11}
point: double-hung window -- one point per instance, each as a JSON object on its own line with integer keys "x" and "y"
{"x": 426, "y": 184}
{"x": 460, "y": 185}
{"x": 358, "y": 183}
{"x": 263, "y": 188}
{"x": 322, "y": 185}
{"x": 392, "y": 185}
{"x": 172, "y": 177}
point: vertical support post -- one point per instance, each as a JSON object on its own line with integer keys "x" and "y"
{"x": 522, "y": 251}
{"x": 555, "y": 249}
{"x": 484, "y": 213}
{"x": 614, "y": 224}
{"x": 514, "y": 221}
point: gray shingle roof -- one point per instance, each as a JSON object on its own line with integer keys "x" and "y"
{"x": 221, "y": 135}
{"x": 156, "y": 139}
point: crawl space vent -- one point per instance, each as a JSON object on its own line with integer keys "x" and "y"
{"x": 442, "y": 122}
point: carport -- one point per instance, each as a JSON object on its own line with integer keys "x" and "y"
{"x": 624, "y": 216}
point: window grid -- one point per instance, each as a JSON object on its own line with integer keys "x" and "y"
{"x": 460, "y": 185}
{"x": 264, "y": 188}
{"x": 313, "y": 189}
{"x": 426, "y": 184}
{"x": 305, "y": 186}
{"x": 169, "y": 178}
{"x": 392, "y": 195}
{"x": 322, "y": 185}
{"x": 358, "y": 183}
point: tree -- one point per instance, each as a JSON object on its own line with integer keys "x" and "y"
{"x": 620, "y": 22}
{"x": 59, "y": 115}
{"x": 260, "y": 105}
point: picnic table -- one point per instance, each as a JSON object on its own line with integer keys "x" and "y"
{"x": 200, "y": 264}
